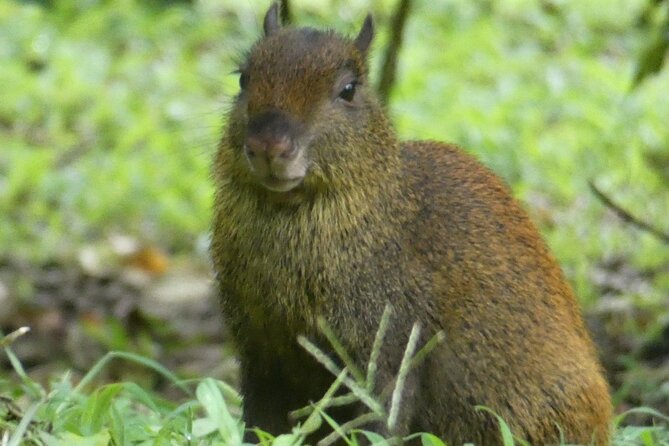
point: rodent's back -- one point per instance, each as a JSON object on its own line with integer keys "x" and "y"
{"x": 514, "y": 334}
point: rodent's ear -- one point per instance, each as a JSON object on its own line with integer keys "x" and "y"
{"x": 365, "y": 35}
{"x": 272, "y": 22}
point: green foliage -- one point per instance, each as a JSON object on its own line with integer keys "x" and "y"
{"x": 653, "y": 56}
{"x": 120, "y": 414}
{"x": 218, "y": 418}
{"x": 110, "y": 113}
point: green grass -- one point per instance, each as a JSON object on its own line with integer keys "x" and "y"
{"x": 120, "y": 414}
{"x": 90, "y": 413}
{"x": 110, "y": 113}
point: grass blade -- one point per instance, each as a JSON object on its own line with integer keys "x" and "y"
{"x": 22, "y": 428}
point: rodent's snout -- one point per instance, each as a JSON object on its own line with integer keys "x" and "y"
{"x": 273, "y": 152}
{"x": 270, "y": 147}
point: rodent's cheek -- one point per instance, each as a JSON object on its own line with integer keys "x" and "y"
{"x": 240, "y": 110}
{"x": 299, "y": 166}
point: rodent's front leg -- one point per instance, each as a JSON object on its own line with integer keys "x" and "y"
{"x": 276, "y": 381}
{"x": 266, "y": 399}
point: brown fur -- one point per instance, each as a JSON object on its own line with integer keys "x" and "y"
{"x": 420, "y": 225}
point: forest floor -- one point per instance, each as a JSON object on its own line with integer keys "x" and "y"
{"x": 120, "y": 296}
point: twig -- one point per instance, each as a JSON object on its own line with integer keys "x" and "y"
{"x": 437, "y": 339}
{"x": 340, "y": 350}
{"x": 402, "y": 376}
{"x": 314, "y": 417}
{"x": 627, "y": 216}
{"x": 353, "y": 386}
{"x": 286, "y": 13}
{"x": 335, "y": 401}
{"x": 389, "y": 67}
{"x": 376, "y": 347}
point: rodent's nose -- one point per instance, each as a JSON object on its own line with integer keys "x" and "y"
{"x": 269, "y": 147}
{"x": 271, "y": 136}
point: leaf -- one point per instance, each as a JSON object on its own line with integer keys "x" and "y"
{"x": 264, "y": 438}
{"x": 97, "y": 407}
{"x": 209, "y": 395}
{"x": 431, "y": 440}
{"x": 375, "y": 439}
{"x": 507, "y": 436}
{"x": 647, "y": 438}
{"x": 639, "y": 410}
{"x": 653, "y": 57}
{"x": 118, "y": 426}
{"x": 132, "y": 357}
{"x": 35, "y": 390}
{"x": 102, "y": 438}
{"x": 140, "y": 395}
{"x": 21, "y": 429}
{"x": 204, "y": 426}
{"x": 287, "y": 440}
{"x": 311, "y": 424}
{"x": 230, "y": 393}
{"x": 149, "y": 259}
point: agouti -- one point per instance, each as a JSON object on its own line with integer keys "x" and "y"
{"x": 321, "y": 212}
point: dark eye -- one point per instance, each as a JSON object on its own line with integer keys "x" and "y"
{"x": 348, "y": 92}
{"x": 243, "y": 80}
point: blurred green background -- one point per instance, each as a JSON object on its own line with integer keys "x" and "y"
{"x": 110, "y": 113}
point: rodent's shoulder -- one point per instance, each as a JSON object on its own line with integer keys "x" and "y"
{"x": 464, "y": 204}
{"x": 438, "y": 168}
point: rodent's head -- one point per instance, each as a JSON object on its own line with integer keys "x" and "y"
{"x": 304, "y": 113}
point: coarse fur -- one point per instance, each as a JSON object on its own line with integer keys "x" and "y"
{"x": 372, "y": 220}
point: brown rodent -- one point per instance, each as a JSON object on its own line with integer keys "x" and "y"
{"x": 321, "y": 212}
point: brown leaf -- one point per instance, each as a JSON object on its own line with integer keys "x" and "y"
{"x": 149, "y": 259}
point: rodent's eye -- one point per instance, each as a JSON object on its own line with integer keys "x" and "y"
{"x": 348, "y": 92}
{"x": 243, "y": 80}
